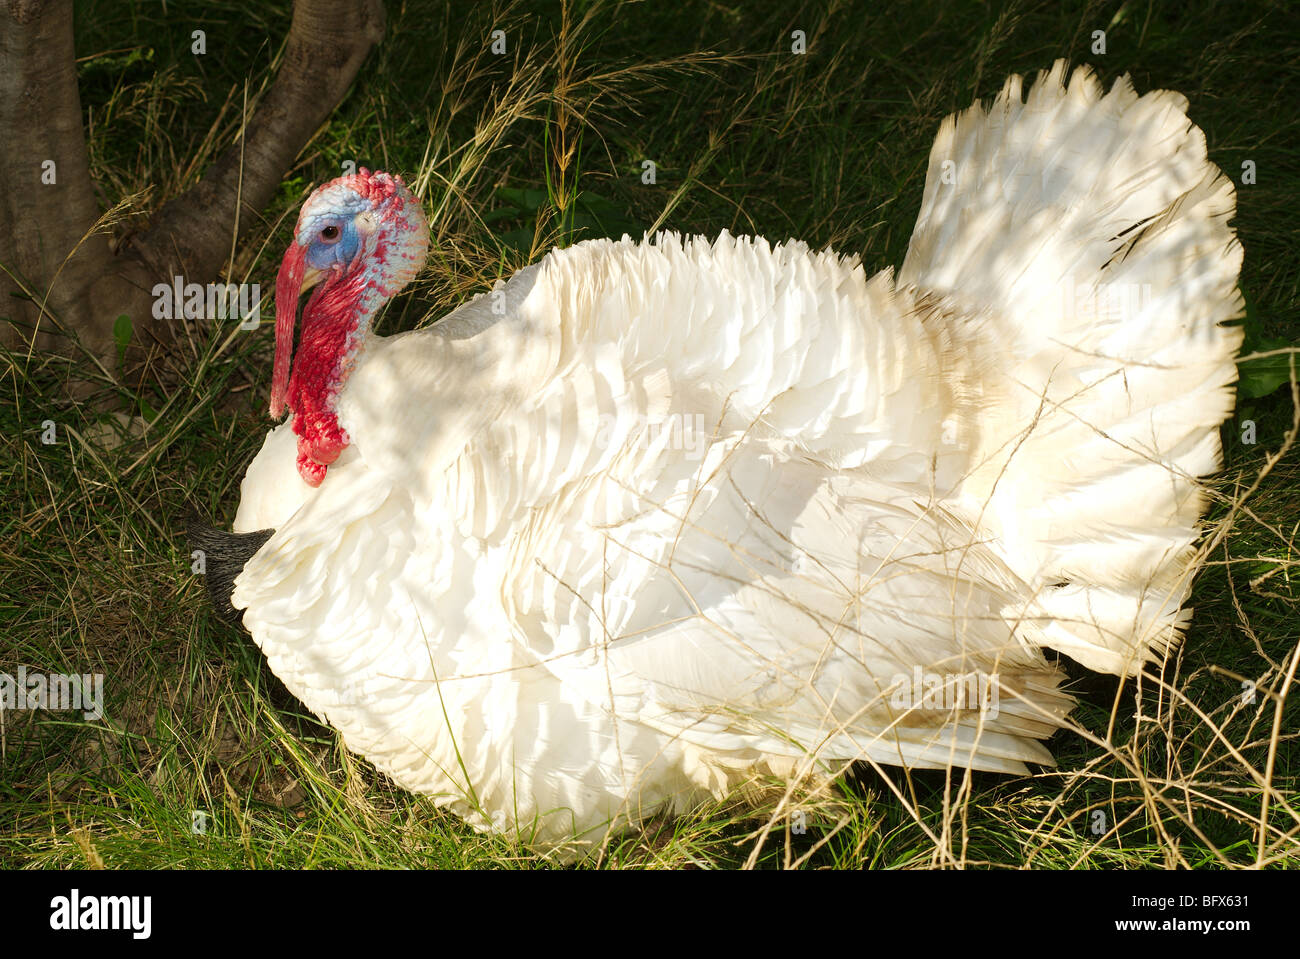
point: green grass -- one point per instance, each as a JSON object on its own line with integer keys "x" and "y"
{"x": 512, "y": 155}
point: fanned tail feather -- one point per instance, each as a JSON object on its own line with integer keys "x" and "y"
{"x": 1085, "y": 234}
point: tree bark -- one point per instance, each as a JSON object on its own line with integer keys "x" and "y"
{"x": 47, "y": 204}
{"x": 57, "y": 270}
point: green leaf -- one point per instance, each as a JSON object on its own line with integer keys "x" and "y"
{"x": 1262, "y": 376}
{"x": 122, "y": 330}
{"x": 521, "y": 200}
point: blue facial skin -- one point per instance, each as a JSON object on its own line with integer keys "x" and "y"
{"x": 335, "y": 242}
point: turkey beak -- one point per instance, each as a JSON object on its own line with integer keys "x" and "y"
{"x": 294, "y": 277}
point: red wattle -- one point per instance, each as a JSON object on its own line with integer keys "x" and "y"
{"x": 288, "y": 285}
{"x": 320, "y": 367}
{"x": 312, "y": 473}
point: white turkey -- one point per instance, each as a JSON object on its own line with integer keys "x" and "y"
{"x": 650, "y": 520}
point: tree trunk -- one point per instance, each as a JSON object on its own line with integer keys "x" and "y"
{"x": 52, "y": 270}
{"x": 57, "y": 270}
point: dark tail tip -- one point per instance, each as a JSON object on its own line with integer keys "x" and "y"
{"x": 223, "y": 556}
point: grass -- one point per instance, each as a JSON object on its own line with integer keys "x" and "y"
{"x": 545, "y": 145}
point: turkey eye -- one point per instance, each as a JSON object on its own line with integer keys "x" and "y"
{"x": 329, "y": 234}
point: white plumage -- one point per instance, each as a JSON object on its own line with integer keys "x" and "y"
{"x": 657, "y": 517}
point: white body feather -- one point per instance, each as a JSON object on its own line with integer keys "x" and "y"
{"x": 677, "y": 513}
